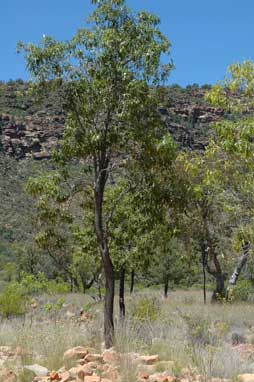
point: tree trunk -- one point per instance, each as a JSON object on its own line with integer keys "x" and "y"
{"x": 204, "y": 260}
{"x": 132, "y": 281}
{"x": 237, "y": 271}
{"x": 86, "y": 284}
{"x": 217, "y": 273}
{"x": 204, "y": 282}
{"x": 109, "y": 302}
{"x": 107, "y": 263}
{"x": 166, "y": 283}
{"x": 121, "y": 294}
{"x": 219, "y": 291}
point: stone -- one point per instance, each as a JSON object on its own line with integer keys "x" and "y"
{"x": 246, "y": 351}
{"x": 111, "y": 356}
{"x": 38, "y": 370}
{"x": 54, "y": 376}
{"x": 92, "y": 378}
{"x": 142, "y": 376}
{"x": 112, "y": 374}
{"x": 93, "y": 358}
{"x": 65, "y": 376}
{"x": 81, "y": 371}
{"x": 75, "y": 353}
{"x": 7, "y": 376}
{"x": 246, "y": 377}
{"x": 161, "y": 378}
{"x": 147, "y": 359}
{"x": 93, "y": 365}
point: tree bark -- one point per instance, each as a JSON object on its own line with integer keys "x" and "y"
{"x": 86, "y": 284}
{"x": 121, "y": 294}
{"x": 209, "y": 252}
{"x": 217, "y": 273}
{"x": 204, "y": 281}
{"x": 166, "y": 284}
{"x": 109, "y": 302}
{"x": 100, "y": 181}
{"x": 132, "y": 281}
{"x": 238, "y": 269}
{"x": 219, "y": 291}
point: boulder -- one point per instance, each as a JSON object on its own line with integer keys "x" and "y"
{"x": 147, "y": 359}
{"x": 38, "y": 370}
{"x": 246, "y": 377}
{"x": 142, "y": 376}
{"x": 112, "y": 374}
{"x": 92, "y": 378}
{"x": 7, "y": 376}
{"x": 54, "y": 376}
{"x": 111, "y": 356}
{"x": 161, "y": 378}
{"x": 94, "y": 358}
{"x": 81, "y": 371}
{"x": 65, "y": 376}
{"x": 75, "y": 353}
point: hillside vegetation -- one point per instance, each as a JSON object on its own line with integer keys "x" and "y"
{"x": 118, "y": 190}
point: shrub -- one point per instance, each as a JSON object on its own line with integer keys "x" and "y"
{"x": 12, "y": 302}
{"x": 146, "y": 309}
{"x": 31, "y": 284}
{"x": 242, "y": 291}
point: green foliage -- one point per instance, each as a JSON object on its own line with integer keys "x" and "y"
{"x": 198, "y": 329}
{"x": 145, "y": 309}
{"x": 54, "y": 307}
{"x": 243, "y": 291}
{"x": 31, "y": 284}
{"x": 12, "y": 301}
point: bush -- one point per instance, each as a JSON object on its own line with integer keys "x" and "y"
{"x": 31, "y": 284}
{"x": 12, "y": 302}
{"x": 146, "y": 309}
{"x": 242, "y": 291}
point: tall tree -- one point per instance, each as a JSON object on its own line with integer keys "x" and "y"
{"x": 112, "y": 112}
{"x": 234, "y": 145}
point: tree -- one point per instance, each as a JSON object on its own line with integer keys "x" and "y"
{"x": 234, "y": 143}
{"x": 210, "y": 213}
{"x": 112, "y": 112}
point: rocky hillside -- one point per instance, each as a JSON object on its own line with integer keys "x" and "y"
{"x": 31, "y": 130}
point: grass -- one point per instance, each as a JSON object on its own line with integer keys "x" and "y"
{"x": 184, "y": 331}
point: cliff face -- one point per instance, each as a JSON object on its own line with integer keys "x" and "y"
{"x": 34, "y": 136}
{"x": 32, "y": 131}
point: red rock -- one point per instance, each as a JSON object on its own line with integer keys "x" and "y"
{"x": 75, "y": 353}
{"x": 92, "y": 378}
{"x": 81, "y": 371}
{"x": 7, "y": 376}
{"x": 93, "y": 358}
{"x": 111, "y": 374}
{"x": 142, "y": 376}
{"x": 54, "y": 376}
{"x": 65, "y": 376}
{"x": 161, "y": 378}
{"x": 147, "y": 359}
{"x": 111, "y": 356}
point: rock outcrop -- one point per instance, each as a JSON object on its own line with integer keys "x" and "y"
{"x": 32, "y": 131}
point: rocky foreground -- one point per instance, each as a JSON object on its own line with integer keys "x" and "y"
{"x": 82, "y": 364}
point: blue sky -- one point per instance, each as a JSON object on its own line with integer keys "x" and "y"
{"x": 206, "y": 35}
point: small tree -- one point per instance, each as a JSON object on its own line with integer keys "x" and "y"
{"x": 112, "y": 112}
